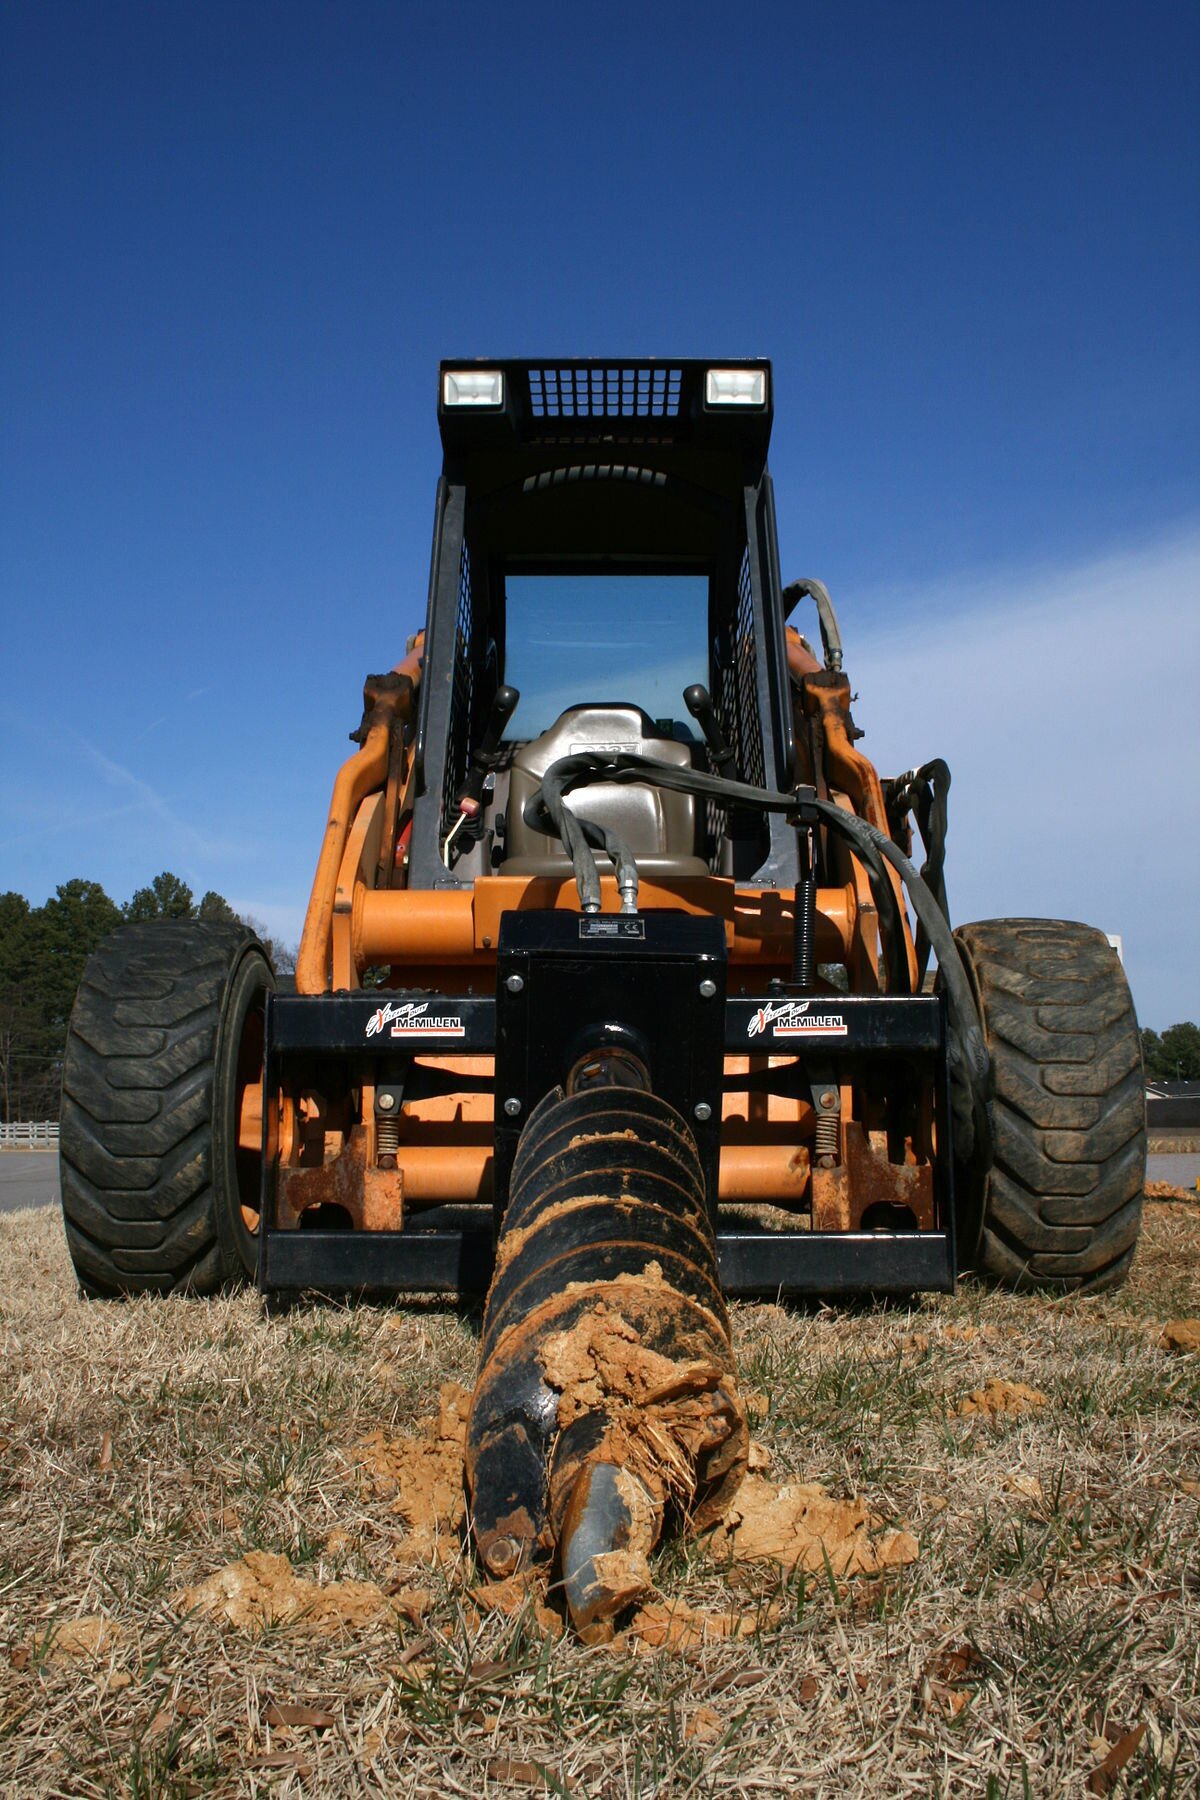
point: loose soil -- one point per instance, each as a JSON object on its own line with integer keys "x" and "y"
{"x": 232, "y": 1562}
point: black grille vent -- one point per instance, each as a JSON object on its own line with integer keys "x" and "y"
{"x": 743, "y": 720}
{"x": 620, "y": 391}
{"x": 735, "y": 698}
{"x": 462, "y": 697}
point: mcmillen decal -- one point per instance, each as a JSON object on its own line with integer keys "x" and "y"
{"x": 791, "y": 1018}
{"x": 413, "y": 1019}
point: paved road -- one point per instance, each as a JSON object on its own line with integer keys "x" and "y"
{"x": 1184, "y": 1171}
{"x": 30, "y": 1177}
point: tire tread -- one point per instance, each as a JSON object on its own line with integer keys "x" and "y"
{"x": 136, "y": 1146}
{"x": 1064, "y": 1193}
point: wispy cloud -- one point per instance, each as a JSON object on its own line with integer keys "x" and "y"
{"x": 1066, "y": 703}
{"x": 183, "y": 837}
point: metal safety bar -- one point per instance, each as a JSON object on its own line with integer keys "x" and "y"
{"x": 417, "y": 1022}
{"x": 460, "y": 1260}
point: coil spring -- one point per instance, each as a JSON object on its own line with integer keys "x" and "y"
{"x": 804, "y": 933}
{"x": 387, "y": 1135}
{"x": 827, "y": 1142}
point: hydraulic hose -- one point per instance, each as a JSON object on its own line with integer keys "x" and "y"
{"x": 547, "y": 812}
{"x": 924, "y": 791}
{"x": 967, "y": 1055}
{"x": 831, "y": 637}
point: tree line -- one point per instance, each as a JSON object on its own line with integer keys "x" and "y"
{"x": 43, "y": 950}
{"x": 1175, "y": 1056}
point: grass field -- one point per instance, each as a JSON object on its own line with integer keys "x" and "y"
{"x": 1046, "y": 1640}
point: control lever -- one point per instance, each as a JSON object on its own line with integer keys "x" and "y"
{"x": 484, "y": 759}
{"x": 483, "y": 762}
{"x": 698, "y": 701}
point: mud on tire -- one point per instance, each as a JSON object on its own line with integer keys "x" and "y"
{"x": 1060, "y": 1205}
{"x": 166, "y": 1027}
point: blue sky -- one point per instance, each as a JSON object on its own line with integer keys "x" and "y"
{"x": 237, "y": 238}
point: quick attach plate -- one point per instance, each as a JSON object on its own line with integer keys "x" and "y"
{"x": 652, "y": 982}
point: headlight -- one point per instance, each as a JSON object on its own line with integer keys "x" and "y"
{"x": 473, "y": 387}
{"x": 735, "y": 387}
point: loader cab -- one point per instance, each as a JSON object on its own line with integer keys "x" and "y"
{"x": 604, "y": 537}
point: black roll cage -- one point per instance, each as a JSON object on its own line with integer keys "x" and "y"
{"x": 559, "y": 480}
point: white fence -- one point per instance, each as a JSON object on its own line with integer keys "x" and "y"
{"x": 26, "y": 1134}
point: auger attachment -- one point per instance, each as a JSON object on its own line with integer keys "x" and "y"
{"x": 607, "y": 1394}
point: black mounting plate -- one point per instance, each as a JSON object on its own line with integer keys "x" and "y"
{"x": 651, "y": 982}
{"x": 567, "y": 983}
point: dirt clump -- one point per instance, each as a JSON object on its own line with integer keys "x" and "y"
{"x": 677, "y": 1423}
{"x": 603, "y": 1137}
{"x": 424, "y": 1470}
{"x": 80, "y": 1640}
{"x": 262, "y": 1589}
{"x": 1169, "y": 1190}
{"x": 672, "y": 1625}
{"x": 799, "y": 1526}
{"x": 516, "y": 1592}
{"x": 999, "y": 1396}
{"x": 1181, "y": 1335}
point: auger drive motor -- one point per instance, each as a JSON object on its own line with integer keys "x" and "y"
{"x": 626, "y": 985}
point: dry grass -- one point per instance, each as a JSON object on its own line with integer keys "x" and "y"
{"x": 1052, "y": 1611}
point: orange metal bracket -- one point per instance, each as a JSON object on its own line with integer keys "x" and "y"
{"x": 384, "y": 706}
{"x": 825, "y": 696}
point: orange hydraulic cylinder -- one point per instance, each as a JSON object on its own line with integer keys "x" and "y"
{"x": 763, "y": 1174}
{"x": 411, "y": 926}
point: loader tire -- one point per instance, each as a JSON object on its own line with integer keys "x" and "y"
{"x": 1058, "y": 1205}
{"x": 166, "y": 1029}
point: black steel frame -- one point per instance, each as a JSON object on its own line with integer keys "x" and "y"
{"x": 430, "y": 1257}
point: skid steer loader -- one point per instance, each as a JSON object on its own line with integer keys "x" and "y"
{"x": 613, "y": 996}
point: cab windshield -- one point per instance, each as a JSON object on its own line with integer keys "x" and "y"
{"x": 637, "y": 639}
